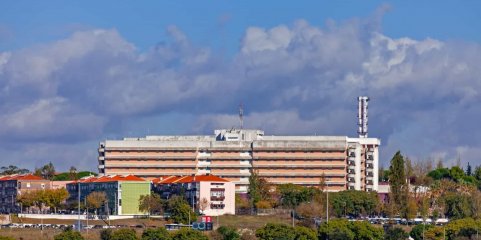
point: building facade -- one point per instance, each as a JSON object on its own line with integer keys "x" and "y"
{"x": 233, "y": 154}
{"x": 206, "y": 194}
{"x": 122, "y": 192}
{"x": 12, "y": 186}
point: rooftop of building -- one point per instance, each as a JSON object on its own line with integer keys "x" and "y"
{"x": 112, "y": 178}
{"x": 26, "y": 177}
{"x": 188, "y": 179}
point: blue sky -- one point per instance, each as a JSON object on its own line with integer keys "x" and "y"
{"x": 222, "y": 23}
{"x": 72, "y": 74}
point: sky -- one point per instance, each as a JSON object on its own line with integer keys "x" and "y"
{"x": 76, "y": 73}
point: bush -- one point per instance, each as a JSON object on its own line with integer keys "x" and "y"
{"x": 106, "y": 234}
{"x": 124, "y": 234}
{"x": 337, "y": 229}
{"x": 466, "y": 227}
{"x": 6, "y": 238}
{"x": 304, "y": 233}
{"x": 396, "y": 233}
{"x": 68, "y": 235}
{"x": 275, "y": 231}
{"x": 156, "y": 234}
{"x": 189, "y": 234}
{"x": 228, "y": 233}
{"x": 417, "y": 231}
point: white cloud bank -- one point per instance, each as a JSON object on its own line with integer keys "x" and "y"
{"x": 293, "y": 79}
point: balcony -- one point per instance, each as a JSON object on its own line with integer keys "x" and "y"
{"x": 283, "y": 157}
{"x": 352, "y": 167}
{"x": 320, "y": 165}
{"x": 351, "y": 175}
{"x": 217, "y": 198}
{"x": 369, "y": 178}
{"x": 351, "y": 184}
{"x": 101, "y": 158}
{"x": 101, "y": 149}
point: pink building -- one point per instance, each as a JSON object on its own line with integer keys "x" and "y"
{"x": 209, "y": 195}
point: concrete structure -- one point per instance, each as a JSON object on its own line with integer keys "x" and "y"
{"x": 12, "y": 186}
{"x": 346, "y": 163}
{"x": 207, "y": 194}
{"x": 123, "y": 192}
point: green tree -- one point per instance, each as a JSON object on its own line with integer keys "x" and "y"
{"x": 6, "y": 238}
{"x": 124, "y": 234}
{"x": 456, "y": 173}
{"x": 417, "y": 231}
{"x": 336, "y": 229}
{"x": 106, "y": 234}
{"x": 188, "y": 234}
{"x": 469, "y": 171}
{"x": 48, "y": 171}
{"x": 457, "y": 205}
{"x": 258, "y": 189}
{"x": 95, "y": 200}
{"x": 466, "y": 227}
{"x": 434, "y": 233}
{"x": 228, "y": 233}
{"x": 272, "y": 231}
{"x": 11, "y": 169}
{"x": 477, "y": 173}
{"x": 179, "y": 210}
{"x": 156, "y": 234}
{"x": 68, "y": 235}
{"x": 152, "y": 204}
{"x": 365, "y": 231}
{"x": 396, "y": 233}
{"x": 354, "y": 203}
{"x": 72, "y": 173}
{"x": 304, "y": 233}
{"x": 55, "y": 197}
{"x": 292, "y": 195}
{"x": 397, "y": 181}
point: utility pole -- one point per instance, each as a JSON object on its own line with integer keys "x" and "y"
{"x": 78, "y": 223}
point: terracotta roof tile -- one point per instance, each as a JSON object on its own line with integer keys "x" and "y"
{"x": 188, "y": 179}
{"x": 21, "y": 177}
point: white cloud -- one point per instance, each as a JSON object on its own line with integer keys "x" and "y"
{"x": 293, "y": 79}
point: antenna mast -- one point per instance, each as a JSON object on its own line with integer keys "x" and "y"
{"x": 241, "y": 116}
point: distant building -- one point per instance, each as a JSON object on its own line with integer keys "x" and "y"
{"x": 233, "y": 154}
{"x": 12, "y": 186}
{"x": 207, "y": 194}
{"x": 122, "y": 192}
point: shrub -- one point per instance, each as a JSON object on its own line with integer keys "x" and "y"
{"x": 69, "y": 235}
{"x": 6, "y": 238}
{"x": 106, "y": 234}
{"x": 189, "y": 234}
{"x": 275, "y": 231}
{"x": 124, "y": 234}
{"x": 417, "y": 231}
{"x": 228, "y": 233}
{"x": 304, "y": 233}
{"x": 396, "y": 233}
{"x": 156, "y": 234}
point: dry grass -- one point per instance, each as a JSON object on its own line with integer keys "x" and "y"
{"x": 239, "y": 221}
{"x": 251, "y": 222}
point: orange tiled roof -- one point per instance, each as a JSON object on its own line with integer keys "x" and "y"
{"x": 113, "y": 178}
{"x": 188, "y": 179}
{"x": 21, "y": 177}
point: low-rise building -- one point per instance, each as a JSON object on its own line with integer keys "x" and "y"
{"x": 122, "y": 192}
{"x": 207, "y": 194}
{"x": 12, "y": 186}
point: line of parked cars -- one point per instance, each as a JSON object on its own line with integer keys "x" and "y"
{"x": 65, "y": 226}
{"x": 415, "y": 221}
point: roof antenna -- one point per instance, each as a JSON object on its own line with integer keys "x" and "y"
{"x": 241, "y": 116}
